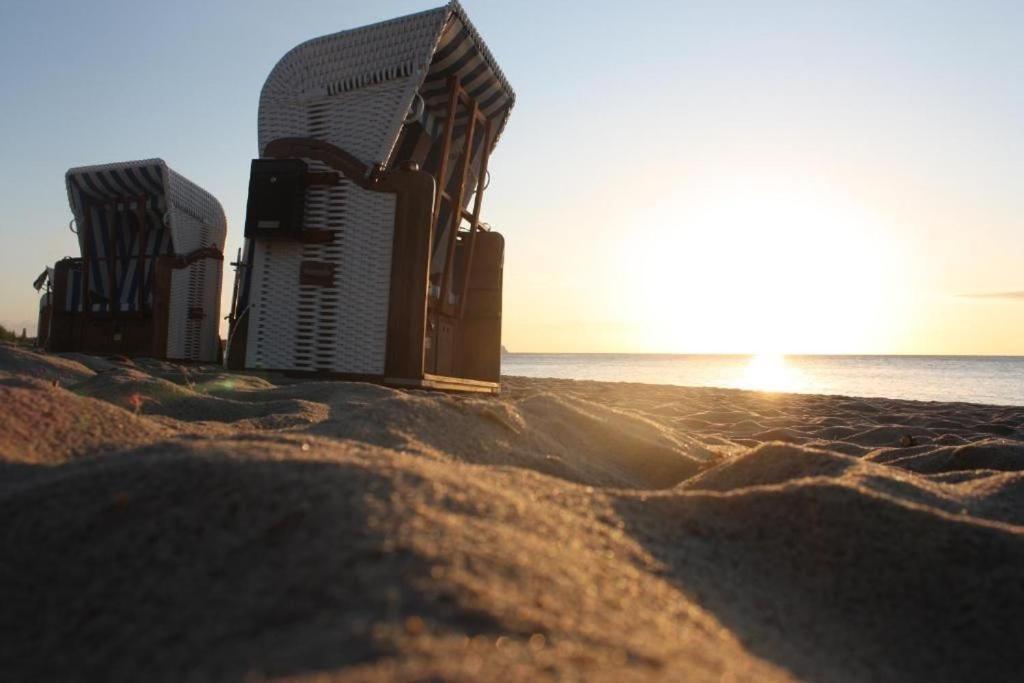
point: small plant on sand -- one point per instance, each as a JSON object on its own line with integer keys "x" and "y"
{"x": 135, "y": 401}
{"x": 190, "y": 382}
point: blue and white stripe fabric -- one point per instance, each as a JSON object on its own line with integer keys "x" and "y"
{"x": 105, "y": 201}
{"x": 74, "y": 289}
{"x": 461, "y": 52}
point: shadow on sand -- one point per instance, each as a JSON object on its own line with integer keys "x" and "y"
{"x": 164, "y": 562}
{"x": 838, "y": 583}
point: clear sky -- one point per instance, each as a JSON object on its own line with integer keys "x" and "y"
{"x": 686, "y": 176}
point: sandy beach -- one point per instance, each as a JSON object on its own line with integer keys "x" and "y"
{"x": 163, "y": 522}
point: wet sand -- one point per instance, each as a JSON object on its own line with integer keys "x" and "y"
{"x": 163, "y": 522}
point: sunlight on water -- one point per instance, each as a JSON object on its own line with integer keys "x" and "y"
{"x": 770, "y": 372}
{"x": 991, "y": 380}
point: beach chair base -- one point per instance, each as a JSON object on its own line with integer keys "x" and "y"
{"x": 426, "y": 383}
{"x": 442, "y": 383}
{"x": 126, "y": 333}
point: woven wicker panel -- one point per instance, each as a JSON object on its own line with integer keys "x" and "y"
{"x": 344, "y": 328}
{"x": 364, "y": 281}
{"x": 317, "y": 330}
{"x": 337, "y": 329}
{"x": 194, "y": 326}
{"x": 273, "y": 305}
{"x": 196, "y": 218}
{"x": 177, "y": 315}
{"x": 390, "y": 52}
{"x": 209, "y": 336}
{"x": 196, "y": 287}
{"x": 362, "y": 122}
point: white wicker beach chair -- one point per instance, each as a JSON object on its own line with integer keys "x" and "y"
{"x": 149, "y": 276}
{"x": 365, "y": 253}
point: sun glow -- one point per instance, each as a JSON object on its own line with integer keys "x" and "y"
{"x": 770, "y": 372}
{"x": 761, "y": 268}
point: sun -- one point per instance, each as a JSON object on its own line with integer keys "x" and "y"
{"x": 764, "y": 268}
{"x": 770, "y": 372}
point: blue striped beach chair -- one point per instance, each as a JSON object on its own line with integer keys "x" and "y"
{"x": 366, "y": 255}
{"x": 148, "y": 280}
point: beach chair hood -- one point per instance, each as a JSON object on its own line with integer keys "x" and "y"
{"x": 193, "y": 217}
{"x": 398, "y": 67}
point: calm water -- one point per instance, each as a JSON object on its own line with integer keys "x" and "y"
{"x": 996, "y": 380}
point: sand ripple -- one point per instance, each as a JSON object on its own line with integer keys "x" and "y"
{"x": 164, "y": 523}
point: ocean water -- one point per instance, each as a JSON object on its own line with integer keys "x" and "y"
{"x": 975, "y": 379}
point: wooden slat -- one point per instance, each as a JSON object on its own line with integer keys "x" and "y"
{"x": 460, "y": 190}
{"x": 446, "y": 146}
{"x": 238, "y": 341}
{"x": 87, "y": 260}
{"x": 143, "y": 236}
{"x": 186, "y": 260}
{"x": 113, "y": 299}
{"x": 335, "y": 157}
{"x": 468, "y": 216}
{"x": 475, "y": 220}
{"x": 162, "y": 267}
{"x": 479, "y": 343}
{"x": 317, "y": 273}
{"x": 62, "y": 322}
{"x": 232, "y": 315}
{"x": 413, "y": 241}
{"x": 444, "y": 383}
{"x": 311, "y": 236}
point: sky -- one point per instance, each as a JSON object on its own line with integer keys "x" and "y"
{"x": 676, "y": 177}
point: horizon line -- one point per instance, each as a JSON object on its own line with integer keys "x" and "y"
{"x": 506, "y": 352}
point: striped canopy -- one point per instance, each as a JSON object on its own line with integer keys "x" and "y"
{"x": 105, "y": 201}
{"x": 461, "y": 52}
{"x": 127, "y": 214}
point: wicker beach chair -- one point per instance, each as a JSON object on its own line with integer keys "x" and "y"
{"x": 148, "y": 280}
{"x": 365, "y": 255}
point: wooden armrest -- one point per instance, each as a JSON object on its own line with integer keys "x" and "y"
{"x": 335, "y": 157}
{"x": 188, "y": 259}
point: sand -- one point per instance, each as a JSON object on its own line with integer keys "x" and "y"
{"x": 178, "y": 523}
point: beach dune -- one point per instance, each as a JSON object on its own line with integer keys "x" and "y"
{"x": 166, "y": 522}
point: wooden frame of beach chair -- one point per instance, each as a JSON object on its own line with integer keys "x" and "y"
{"x": 366, "y": 256}
{"x": 44, "y": 283}
{"x": 148, "y": 280}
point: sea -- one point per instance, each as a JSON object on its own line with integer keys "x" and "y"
{"x": 996, "y": 380}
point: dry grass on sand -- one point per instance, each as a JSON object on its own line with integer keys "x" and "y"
{"x": 170, "y": 523}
